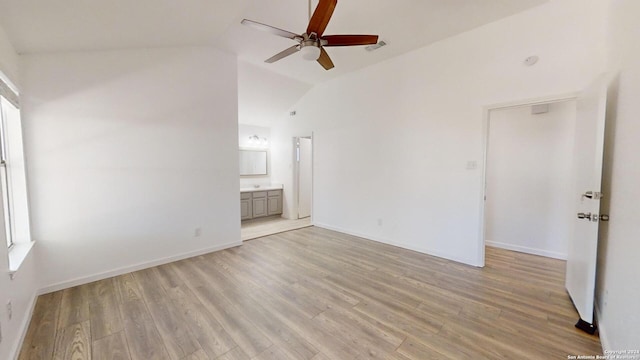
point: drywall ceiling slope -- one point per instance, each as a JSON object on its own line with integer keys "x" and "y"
{"x": 8, "y": 59}
{"x": 76, "y": 25}
{"x": 265, "y": 97}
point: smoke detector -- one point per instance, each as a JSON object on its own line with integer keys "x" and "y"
{"x": 531, "y": 60}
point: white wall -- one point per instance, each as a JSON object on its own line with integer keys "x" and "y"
{"x": 263, "y": 96}
{"x": 244, "y": 132}
{"x": 128, "y": 153}
{"x": 22, "y": 289}
{"x": 529, "y": 206}
{"x": 391, "y": 142}
{"x": 618, "y": 287}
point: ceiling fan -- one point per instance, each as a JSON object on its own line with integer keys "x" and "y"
{"x": 312, "y": 42}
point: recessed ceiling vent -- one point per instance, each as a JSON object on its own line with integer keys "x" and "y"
{"x": 539, "y": 109}
{"x": 376, "y": 46}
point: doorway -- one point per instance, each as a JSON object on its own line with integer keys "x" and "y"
{"x": 528, "y": 177}
{"x": 304, "y": 176}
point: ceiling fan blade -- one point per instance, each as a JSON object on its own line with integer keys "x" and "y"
{"x": 292, "y": 50}
{"x": 350, "y": 40}
{"x": 325, "y": 60}
{"x": 321, "y": 16}
{"x": 271, "y": 29}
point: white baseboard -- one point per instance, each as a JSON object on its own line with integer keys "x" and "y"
{"x": 527, "y": 250}
{"x": 602, "y": 331}
{"x": 26, "y": 320}
{"x": 130, "y": 268}
{"x": 419, "y": 249}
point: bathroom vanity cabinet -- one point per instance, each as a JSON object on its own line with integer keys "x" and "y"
{"x": 260, "y": 202}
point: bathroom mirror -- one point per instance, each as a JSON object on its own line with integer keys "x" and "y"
{"x": 253, "y": 162}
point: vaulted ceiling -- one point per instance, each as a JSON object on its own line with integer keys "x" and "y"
{"x": 78, "y": 25}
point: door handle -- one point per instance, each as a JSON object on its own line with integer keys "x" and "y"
{"x": 593, "y": 217}
{"x": 584, "y": 216}
{"x": 588, "y": 216}
{"x": 592, "y": 195}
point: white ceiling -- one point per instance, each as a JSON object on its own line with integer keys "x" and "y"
{"x": 72, "y": 25}
{"x": 76, "y": 25}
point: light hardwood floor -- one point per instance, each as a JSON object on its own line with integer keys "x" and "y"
{"x": 253, "y": 229}
{"x": 316, "y": 294}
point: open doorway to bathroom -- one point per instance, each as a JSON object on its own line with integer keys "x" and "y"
{"x": 298, "y": 213}
{"x": 263, "y": 198}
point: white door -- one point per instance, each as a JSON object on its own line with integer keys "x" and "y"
{"x": 304, "y": 177}
{"x": 587, "y": 162}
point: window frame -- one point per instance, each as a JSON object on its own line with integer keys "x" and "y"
{"x": 4, "y": 179}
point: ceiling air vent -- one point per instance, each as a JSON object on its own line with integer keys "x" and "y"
{"x": 376, "y": 46}
{"x": 539, "y": 109}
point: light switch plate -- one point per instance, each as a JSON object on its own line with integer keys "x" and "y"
{"x": 472, "y": 165}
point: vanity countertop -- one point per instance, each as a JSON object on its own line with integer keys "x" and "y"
{"x": 261, "y": 188}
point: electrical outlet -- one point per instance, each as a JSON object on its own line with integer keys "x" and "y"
{"x": 9, "y": 309}
{"x": 472, "y": 165}
{"x": 197, "y": 232}
{"x": 379, "y": 222}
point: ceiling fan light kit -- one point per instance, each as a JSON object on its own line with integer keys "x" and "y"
{"x": 310, "y": 52}
{"x": 312, "y": 43}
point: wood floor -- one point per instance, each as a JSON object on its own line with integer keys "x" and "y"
{"x": 316, "y": 294}
{"x": 253, "y": 229}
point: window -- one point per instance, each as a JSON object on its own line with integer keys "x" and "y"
{"x": 12, "y": 170}
{"x": 4, "y": 180}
